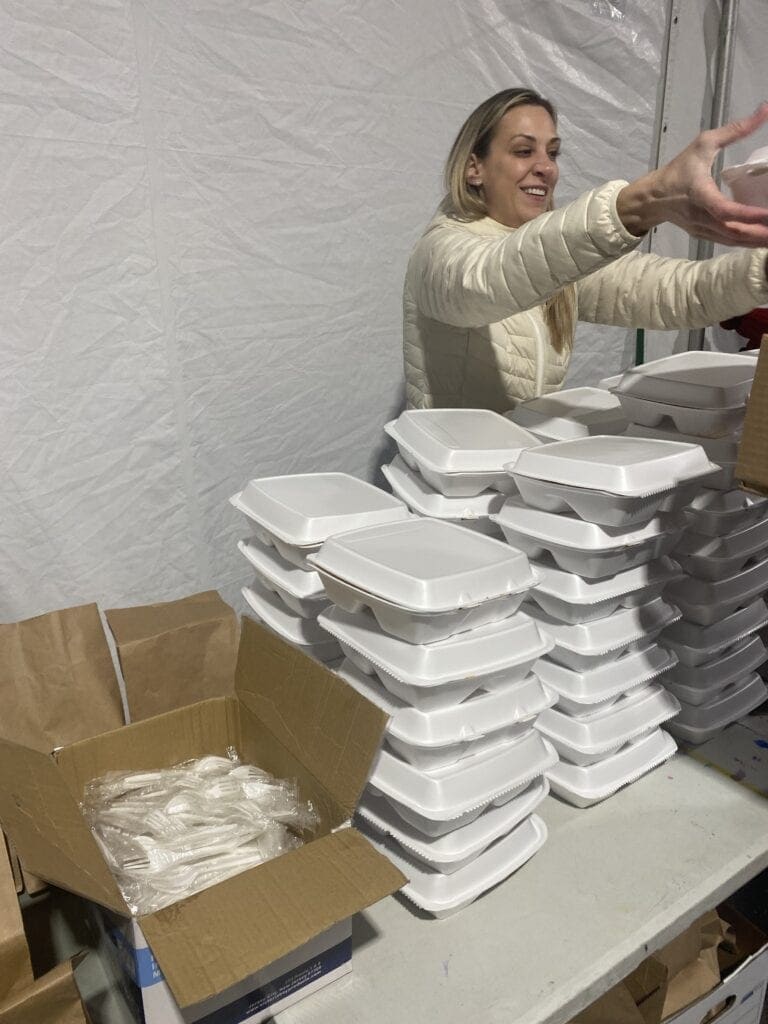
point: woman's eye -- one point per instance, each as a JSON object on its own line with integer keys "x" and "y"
{"x": 522, "y": 152}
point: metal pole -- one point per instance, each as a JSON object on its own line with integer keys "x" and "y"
{"x": 721, "y": 101}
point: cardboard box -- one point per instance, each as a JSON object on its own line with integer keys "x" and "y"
{"x": 291, "y": 716}
{"x": 752, "y": 463}
{"x": 24, "y": 999}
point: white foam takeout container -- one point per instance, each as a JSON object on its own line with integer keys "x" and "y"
{"x": 586, "y": 645}
{"x": 306, "y": 634}
{"x": 698, "y": 422}
{"x": 585, "y": 785}
{"x": 592, "y": 737}
{"x": 424, "y": 579}
{"x": 433, "y": 739}
{"x": 697, "y": 645}
{"x": 572, "y": 413}
{"x": 722, "y": 451}
{"x": 698, "y": 723}
{"x": 708, "y": 601}
{"x": 701, "y": 684}
{"x": 716, "y": 557}
{"x": 497, "y": 656}
{"x": 302, "y": 592}
{"x": 719, "y": 513}
{"x": 587, "y": 689}
{"x": 587, "y": 549}
{"x": 572, "y": 598}
{"x": 614, "y": 481}
{"x": 697, "y": 380}
{"x": 297, "y": 513}
{"x": 439, "y": 800}
{"x": 442, "y": 894}
{"x": 749, "y": 181}
{"x": 459, "y": 452}
{"x": 449, "y": 853}
{"x": 410, "y": 487}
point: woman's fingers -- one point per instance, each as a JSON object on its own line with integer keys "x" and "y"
{"x": 722, "y": 208}
{"x": 736, "y": 130}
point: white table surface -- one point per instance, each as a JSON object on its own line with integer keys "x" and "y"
{"x": 612, "y": 883}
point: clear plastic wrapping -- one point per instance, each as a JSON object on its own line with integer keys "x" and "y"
{"x": 169, "y": 833}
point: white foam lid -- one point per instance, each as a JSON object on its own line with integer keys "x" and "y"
{"x": 722, "y": 503}
{"x": 569, "y": 530}
{"x": 722, "y": 450}
{"x": 269, "y": 564}
{"x": 426, "y": 565}
{"x": 701, "y": 378}
{"x": 733, "y": 701}
{"x": 575, "y": 589}
{"x": 411, "y": 488}
{"x": 574, "y": 412}
{"x": 460, "y": 440}
{"x": 747, "y": 581}
{"x": 630, "y": 466}
{"x": 613, "y": 632}
{"x": 479, "y": 715}
{"x": 449, "y": 792}
{"x": 726, "y": 630}
{"x": 463, "y": 841}
{"x": 590, "y": 686}
{"x": 477, "y": 652}
{"x": 757, "y": 160}
{"x": 305, "y": 508}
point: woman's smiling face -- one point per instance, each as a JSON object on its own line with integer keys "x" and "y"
{"x": 519, "y": 172}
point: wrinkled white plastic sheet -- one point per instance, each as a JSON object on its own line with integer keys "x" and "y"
{"x": 207, "y": 210}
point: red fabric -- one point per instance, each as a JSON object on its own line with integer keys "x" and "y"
{"x": 752, "y": 326}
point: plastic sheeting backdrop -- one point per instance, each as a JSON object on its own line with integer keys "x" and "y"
{"x": 207, "y": 210}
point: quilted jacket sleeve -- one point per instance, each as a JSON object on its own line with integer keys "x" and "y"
{"x": 642, "y": 290}
{"x": 470, "y": 280}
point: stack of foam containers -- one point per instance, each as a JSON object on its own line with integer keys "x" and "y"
{"x": 289, "y": 518}
{"x": 700, "y": 397}
{"x": 450, "y": 463}
{"x": 427, "y": 615}
{"x": 599, "y": 514}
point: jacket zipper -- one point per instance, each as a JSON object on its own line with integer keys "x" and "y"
{"x": 540, "y": 354}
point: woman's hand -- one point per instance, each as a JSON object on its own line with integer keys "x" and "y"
{"x": 684, "y": 193}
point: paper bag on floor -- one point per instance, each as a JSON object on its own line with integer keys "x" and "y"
{"x": 617, "y": 1005}
{"x": 175, "y": 653}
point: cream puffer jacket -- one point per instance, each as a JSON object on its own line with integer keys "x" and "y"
{"x": 474, "y": 333}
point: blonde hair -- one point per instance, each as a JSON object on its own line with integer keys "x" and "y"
{"x": 466, "y": 202}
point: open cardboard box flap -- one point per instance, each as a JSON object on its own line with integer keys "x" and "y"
{"x": 752, "y": 462}
{"x": 293, "y": 717}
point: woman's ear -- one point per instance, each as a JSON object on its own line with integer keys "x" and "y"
{"x": 474, "y": 173}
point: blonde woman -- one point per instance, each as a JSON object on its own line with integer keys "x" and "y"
{"x": 496, "y": 283}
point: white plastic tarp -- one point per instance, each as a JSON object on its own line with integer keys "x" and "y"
{"x": 207, "y": 210}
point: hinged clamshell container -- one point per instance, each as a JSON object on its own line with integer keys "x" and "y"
{"x": 749, "y": 181}
{"x": 424, "y": 579}
{"x": 459, "y": 452}
{"x": 699, "y": 723}
{"x": 588, "y": 687}
{"x": 433, "y": 739}
{"x": 300, "y": 511}
{"x": 571, "y": 413}
{"x": 572, "y": 598}
{"x": 583, "y": 548}
{"x": 497, "y": 656}
{"x": 698, "y": 422}
{"x": 697, "y": 380}
{"x": 586, "y": 645}
{"x": 719, "y": 513}
{"x": 585, "y": 785}
{"x": 695, "y": 644}
{"x": 701, "y": 684}
{"x": 303, "y": 592}
{"x": 614, "y": 481}
{"x": 306, "y": 634}
{"x": 411, "y": 488}
{"x": 450, "y": 852}
{"x": 442, "y": 894}
{"x": 722, "y": 451}
{"x": 442, "y": 799}
{"x": 590, "y": 738}
{"x": 709, "y": 601}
